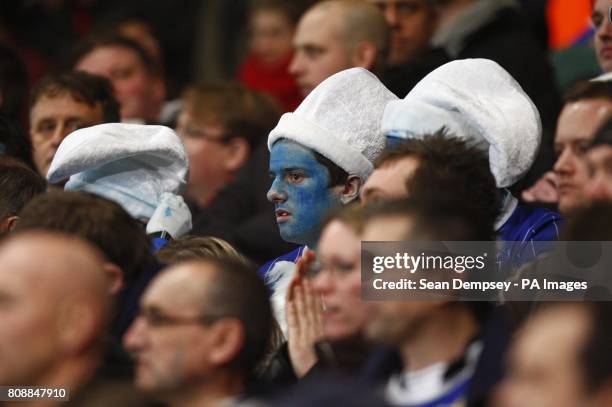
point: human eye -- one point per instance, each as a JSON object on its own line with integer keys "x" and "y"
{"x": 122, "y": 73}
{"x": 312, "y": 52}
{"x": 46, "y": 126}
{"x": 73, "y": 124}
{"x": 596, "y": 19}
{"x": 344, "y": 267}
{"x": 581, "y": 148}
{"x": 295, "y": 177}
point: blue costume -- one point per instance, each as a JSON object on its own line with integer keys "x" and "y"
{"x": 528, "y": 232}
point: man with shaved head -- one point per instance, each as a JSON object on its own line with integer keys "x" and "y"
{"x": 335, "y": 35}
{"x": 202, "y": 329}
{"x": 54, "y": 310}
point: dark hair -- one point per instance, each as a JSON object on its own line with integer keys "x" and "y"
{"x": 103, "y": 223}
{"x": 589, "y": 90}
{"x": 237, "y": 291}
{"x": 596, "y": 355}
{"x": 18, "y": 185}
{"x": 13, "y": 141}
{"x": 337, "y": 176}
{"x": 82, "y": 87}
{"x": 240, "y": 111}
{"x": 450, "y": 168}
{"x": 114, "y": 40}
{"x": 13, "y": 83}
{"x": 603, "y": 135}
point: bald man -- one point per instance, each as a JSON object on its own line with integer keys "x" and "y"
{"x": 202, "y": 329}
{"x": 335, "y": 35}
{"x": 54, "y": 309}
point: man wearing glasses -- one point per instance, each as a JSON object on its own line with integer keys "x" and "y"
{"x": 202, "y": 329}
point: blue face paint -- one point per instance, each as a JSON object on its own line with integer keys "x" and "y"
{"x": 300, "y": 192}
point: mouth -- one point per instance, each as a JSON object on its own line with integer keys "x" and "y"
{"x": 282, "y": 215}
{"x": 606, "y": 52}
{"x": 565, "y": 188}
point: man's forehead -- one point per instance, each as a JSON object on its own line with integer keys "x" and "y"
{"x": 581, "y": 119}
{"x": 318, "y": 26}
{"x": 286, "y": 153}
{"x": 180, "y": 287}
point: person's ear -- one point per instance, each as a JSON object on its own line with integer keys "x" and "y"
{"x": 114, "y": 276}
{"x": 351, "y": 189}
{"x": 237, "y": 153}
{"x": 8, "y": 224}
{"x": 228, "y": 337}
{"x": 364, "y": 55}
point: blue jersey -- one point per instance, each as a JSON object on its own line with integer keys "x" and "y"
{"x": 292, "y": 257}
{"x": 529, "y": 231}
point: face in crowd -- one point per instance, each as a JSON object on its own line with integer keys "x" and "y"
{"x": 338, "y": 281}
{"x": 138, "y": 92}
{"x": 175, "y": 340}
{"x": 319, "y": 48}
{"x": 547, "y": 362}
{"x": 52, "y": 118}
{"x": 578, "y": 123}
{"x": 300, "y": 192}
{"x": 213, "y": 157}
{"x": 603, "y": 34}
{"x": 271, "y": 35}
{"x": 599, "y": 166}
{"x": 412, "y": 25}
{"x": 54, "y": 306}
{"x": 392, "y": 322}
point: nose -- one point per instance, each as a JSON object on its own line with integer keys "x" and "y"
{"x": 276, "y": 193}
{"x": 323, "y": 283}
{"x": 59, "y": 135}
{"x": 604, "y": 32}
{"x": 565, "y": 164}
{"x": 390, "y": 13}
{"x": 296, "y": 67}
{"x": 134, "y": 338}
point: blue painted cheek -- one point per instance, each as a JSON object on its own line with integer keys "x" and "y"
{"x": 308, "y": 202}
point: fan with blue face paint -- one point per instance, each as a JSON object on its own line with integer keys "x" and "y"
{"x": 339, "y": 121}
{"x": 301, "y": 192}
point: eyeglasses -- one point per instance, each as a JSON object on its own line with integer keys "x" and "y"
{"x": 155, "y": 318}
{"x": 193, "y": 132}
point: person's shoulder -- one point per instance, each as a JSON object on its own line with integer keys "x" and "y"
{"x": 543, "y": 223}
